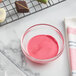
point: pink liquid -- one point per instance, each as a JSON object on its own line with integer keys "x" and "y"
{"x": 43, "y": 47}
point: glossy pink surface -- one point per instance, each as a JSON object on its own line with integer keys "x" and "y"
{"x": 43, "y": 47}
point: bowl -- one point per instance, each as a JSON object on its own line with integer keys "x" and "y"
{"x": 42, "y": 29}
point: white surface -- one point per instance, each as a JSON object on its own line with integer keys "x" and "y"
{"x": 53, "y": 16}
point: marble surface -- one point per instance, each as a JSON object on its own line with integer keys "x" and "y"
{"x": 11, "y": 50}
{"x": 12, "y": 60}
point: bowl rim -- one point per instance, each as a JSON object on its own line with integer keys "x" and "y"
{"x": 42, "y": 60}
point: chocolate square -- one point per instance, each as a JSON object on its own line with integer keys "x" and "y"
{"x": 21, "y": 7}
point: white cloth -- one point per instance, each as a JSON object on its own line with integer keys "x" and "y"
{"x": 70, "y": 26}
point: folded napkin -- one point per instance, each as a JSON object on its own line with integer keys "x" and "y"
{"x": 70, "y": 26}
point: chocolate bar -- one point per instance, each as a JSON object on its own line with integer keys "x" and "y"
{"x": 21, "y": 7}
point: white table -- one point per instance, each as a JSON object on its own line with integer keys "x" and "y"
{"x": 54, "y": 16}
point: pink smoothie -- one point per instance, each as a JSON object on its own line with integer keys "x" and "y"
{"x": 42, "y": 47}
